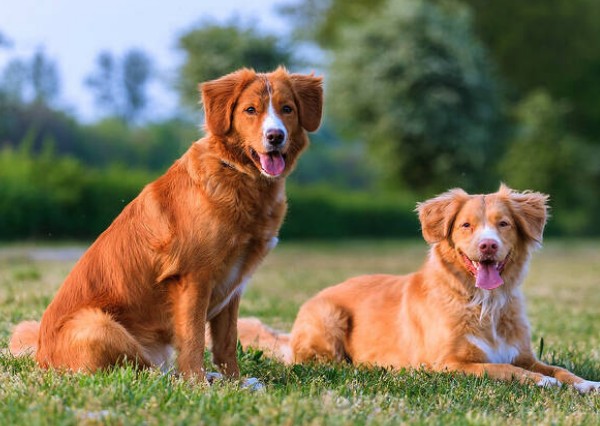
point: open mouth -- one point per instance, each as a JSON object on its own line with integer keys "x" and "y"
{"x": 486, "y": 271}
{"x": 271, "y": 163}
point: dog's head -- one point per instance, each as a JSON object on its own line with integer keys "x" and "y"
{"x": 262, "y": 118}
{"x": 486, "y": 236}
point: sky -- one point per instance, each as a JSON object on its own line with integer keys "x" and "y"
{"x": 73, "y": 32}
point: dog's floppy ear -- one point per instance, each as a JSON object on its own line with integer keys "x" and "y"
{"x": 219, "y": 98}
{"x": 530, "y": 210}
{"x": 437, "y": 215}
{"x": 309, "y": 93}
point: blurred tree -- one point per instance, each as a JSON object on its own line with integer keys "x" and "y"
{"x": 321, "y": 21}
{"x": 103, "y": 81}
{"x": 158, "y": 144}
{"x": 36, "y": 80}
{"x": 214, "y": 50}
{"x": 548, "y": 44}
{"x": 45, "y": 83}
{"x": 417, "y": 86}
{"x": 43, "y": 124}
{"x": 120, "y": 86}
{"x": 542, "y": 154}
{"x": 15, "y": 79}
{"x": 153, "y": 146}
{"x": 545, "y": 156}
{"x": 137, "y": 70}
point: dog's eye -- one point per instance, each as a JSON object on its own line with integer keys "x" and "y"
{"x": 503, "y": 224}
{"x": 286, "y": 109}
{"x": 466, "y": 225}
{"x": 250, "y": 110}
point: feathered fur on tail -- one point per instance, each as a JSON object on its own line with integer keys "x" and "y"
{"x": 24, "y": 340}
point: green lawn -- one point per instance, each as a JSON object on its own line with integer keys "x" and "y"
{"x": 564, "y": 308}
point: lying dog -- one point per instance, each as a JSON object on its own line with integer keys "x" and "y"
{"x": 180, "y": 253}
{"x": 462, "y": 311}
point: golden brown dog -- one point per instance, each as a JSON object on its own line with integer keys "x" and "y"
{"x": 180, "y": 253}
{"x": 462, "y": 311}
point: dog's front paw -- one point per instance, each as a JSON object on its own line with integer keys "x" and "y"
{"x": 548, "y": 382}
{"x": 587, "y": 386}
{"x": 213, "y": 377}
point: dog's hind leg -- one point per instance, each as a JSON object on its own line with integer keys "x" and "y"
{"x": 319, "y": 332}
{"x": 92, "y": 340}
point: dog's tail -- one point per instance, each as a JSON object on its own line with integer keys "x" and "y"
{"x": 24, "y": 340}
{"x": 275, "y": 344}
{"x": 319, "y": 332}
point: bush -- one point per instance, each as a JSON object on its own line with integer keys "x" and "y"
{"x": 49, "y": 197}
{"x": 53, "y": 197}
{"x": 545, "y": 156}
{"x": 57, "y": 197}
{"x": 320, "y": 212}
{"x": 427, "y": 103}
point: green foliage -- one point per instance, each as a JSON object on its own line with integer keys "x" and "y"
{"x": 417, "y": 86}
{"x": 33, "y": 80}
{"x": 120, "y": 85}
{"x": 111, "y": 141}
{"x": 321, "y": 212}
{"x": 137, "y": 71}
{"x": 45, "y": 81}
{"x": 14, "y": 81}
{"x": 39, "y": 122}
{"x": 214, "y": 50}
{"x": 544, "y": 156}
{"x": 344, "y": 165}
{"x": 323, "y": 20}
{"x": 102, "y": 82}
{"x": 547, "y": 44}
{"x": 407, "y": 77}
{"x": 46, "y": 196}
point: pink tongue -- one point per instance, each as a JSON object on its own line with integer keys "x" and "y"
{"x": 273, "y": 163}
{"x": 488, "y": 277}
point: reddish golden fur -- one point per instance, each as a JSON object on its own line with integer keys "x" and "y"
{"x": 435, "y": 318}
{"x": 179, "y": 254}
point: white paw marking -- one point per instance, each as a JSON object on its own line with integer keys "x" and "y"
{"x": 253, "y": 384}
{"x": 548, "y": 382}
{"x": 213, "y": 377}
{"x": 587, "y": 386}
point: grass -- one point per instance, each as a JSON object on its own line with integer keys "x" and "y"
{"x": 563, "y": 300}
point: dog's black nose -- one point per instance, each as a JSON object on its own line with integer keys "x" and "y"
{"x": 275, "y": 136}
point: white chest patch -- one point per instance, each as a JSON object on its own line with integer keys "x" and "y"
{"x": 234, "y": 283}
{"x": 231, "y": 286}
{"x": 498, "y": 353}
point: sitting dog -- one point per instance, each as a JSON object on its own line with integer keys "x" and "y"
{"x": 180, "y": 254}
{"x": 463, "y": 311}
